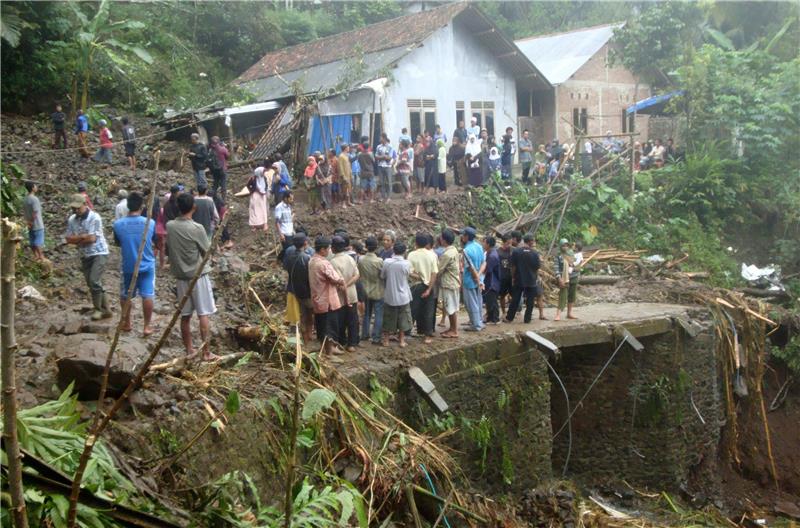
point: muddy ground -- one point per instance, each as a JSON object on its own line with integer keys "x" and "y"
{"x": 49, "y": 329}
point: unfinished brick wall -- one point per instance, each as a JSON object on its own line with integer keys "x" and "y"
{"x": 604, "y": 90}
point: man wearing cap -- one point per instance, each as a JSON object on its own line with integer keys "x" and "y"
{"x": 396, "y": 296}
{"x": 198, "y": 153}
{"x": 82, "y": 190}
{"x": 298, "y": 288}
{"x": 347, "y": 268}
{"x": 128, "y": 235}
{"x": 85, "y": 230}
{"x": 187, "y": 244}
{"x": 121, "y": 210}
{"x": 369, "y": 268}
{"x": 325, "y": 282}
{"x": 472, "y": 281}
{"x": 104, "y": 153}
{"x": 567, "y": 291}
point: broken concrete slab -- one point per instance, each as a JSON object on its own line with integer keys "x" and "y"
{"x": 81, "y": 358}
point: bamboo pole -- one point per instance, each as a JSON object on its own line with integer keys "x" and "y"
{"x": 298, "y": 364}
{"x": 8, "y": 352}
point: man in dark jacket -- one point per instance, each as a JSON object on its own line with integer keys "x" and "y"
{"x": 296, "y": 265}
{"x": 198, "y": 153}
{"x": 524, "y": 271}
{"x": 59, "y": 132}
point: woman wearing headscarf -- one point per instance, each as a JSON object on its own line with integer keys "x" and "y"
{"x": 431, "y": 155}
{"x": 473, "y": 160}
{"x": 310, "y": 181}
{"x": 455, "y": 159}
{"x": 259, "y": 187}
{"x": 495, "y": 162}
{"x": 441, "y": 166}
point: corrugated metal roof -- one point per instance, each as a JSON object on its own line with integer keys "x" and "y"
{"x": 560, "y": 55}
{"x": 326, "y": 77}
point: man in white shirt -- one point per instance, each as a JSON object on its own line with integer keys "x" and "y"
{"x": 284, "y": 219}
{"x": 121, "y": 210}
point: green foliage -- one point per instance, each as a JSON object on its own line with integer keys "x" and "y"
{"x": 234, "y": 499}
{"x": 480, "y": 432}
{"x": 12, "y": 190}
{"x": 789, "y": 354}
{"x": 317, "y": 401}
{"x": 54, "y": 433}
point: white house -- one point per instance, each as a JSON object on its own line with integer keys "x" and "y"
{"x": 432, "y": 67}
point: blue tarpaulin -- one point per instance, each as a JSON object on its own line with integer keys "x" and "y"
{"x": 649, "y": 105}
{"x": 336, "y": 130}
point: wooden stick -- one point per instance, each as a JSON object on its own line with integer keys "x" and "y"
{"x": 757, "y": 315}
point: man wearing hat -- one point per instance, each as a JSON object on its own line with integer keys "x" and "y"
{"x": 472, "y": 281}
{"x": 121, "y": 210}
{"x": 567, "y": 291}
{"x": 324, "y": 282}
{"x": 298, "y": 297}
{"x": 85, "y": 230}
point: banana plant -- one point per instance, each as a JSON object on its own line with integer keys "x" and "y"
{"x": 95, "y": 38}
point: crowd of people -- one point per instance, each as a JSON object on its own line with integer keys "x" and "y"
{"x": 349, "y": 291}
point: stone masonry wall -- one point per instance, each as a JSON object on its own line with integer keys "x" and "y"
{"x": 639, "y": 423}
{"x": 499, "y": 397}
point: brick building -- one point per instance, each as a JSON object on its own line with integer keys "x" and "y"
{"x": 588, "y": 93}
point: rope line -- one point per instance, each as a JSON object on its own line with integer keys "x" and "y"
{"x": 113, "y": 144}
{"x": 577, "y": 405}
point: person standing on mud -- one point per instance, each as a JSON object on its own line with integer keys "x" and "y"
{"x": 85, "y": 230}
{"x": 325, "y": 282}
{"x": 567, "y": 289}
{"x": 129, "y": 142}
{"x": 128, "y": 235}
{"x": 396, "y": 296}
{"x": 385, "y": 155}
{"x": 187, "y": 244}
{"x": 472, "y": 281}
{"x": 367, "y": 164}
{"x": 198, "y": 153}
{"x": 449, "y": 277}
{"x": 81, "y": 129}
{"x": 369, "y": 268}
{"x": 297, "y": 285}
{"x": 103, "y": 154}
{"x": 424, "y": 267}
{"x": 59, "y": 131}
{"x": 219, "y": 172}
{"x": 525, "y": 263}
{"x": 348, "y": 269}
{"x": 32, "y": 209}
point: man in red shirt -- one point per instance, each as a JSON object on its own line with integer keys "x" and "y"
{"x": 104, "y": 153}
{"x": 325, "y": 282}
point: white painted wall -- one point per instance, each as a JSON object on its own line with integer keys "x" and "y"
{"x": 450, "y": 66}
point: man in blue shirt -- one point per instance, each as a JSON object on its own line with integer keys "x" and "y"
{"x": 81, "y": 129}
{"x": 128, "y": 234}
{"x": 474, "y": 267}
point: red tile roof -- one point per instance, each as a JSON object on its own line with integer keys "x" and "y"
{"x": 393, "y": 33}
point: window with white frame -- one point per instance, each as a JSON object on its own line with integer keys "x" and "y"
{"x": 483, "y": 111}
{"x": 421, "y": 116}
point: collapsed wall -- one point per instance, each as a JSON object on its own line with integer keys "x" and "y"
{"x": 652, "y": 418}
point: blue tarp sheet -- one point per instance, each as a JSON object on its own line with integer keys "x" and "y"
{"x": 337, "y": 126}
{"x": 652, "y": 101}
